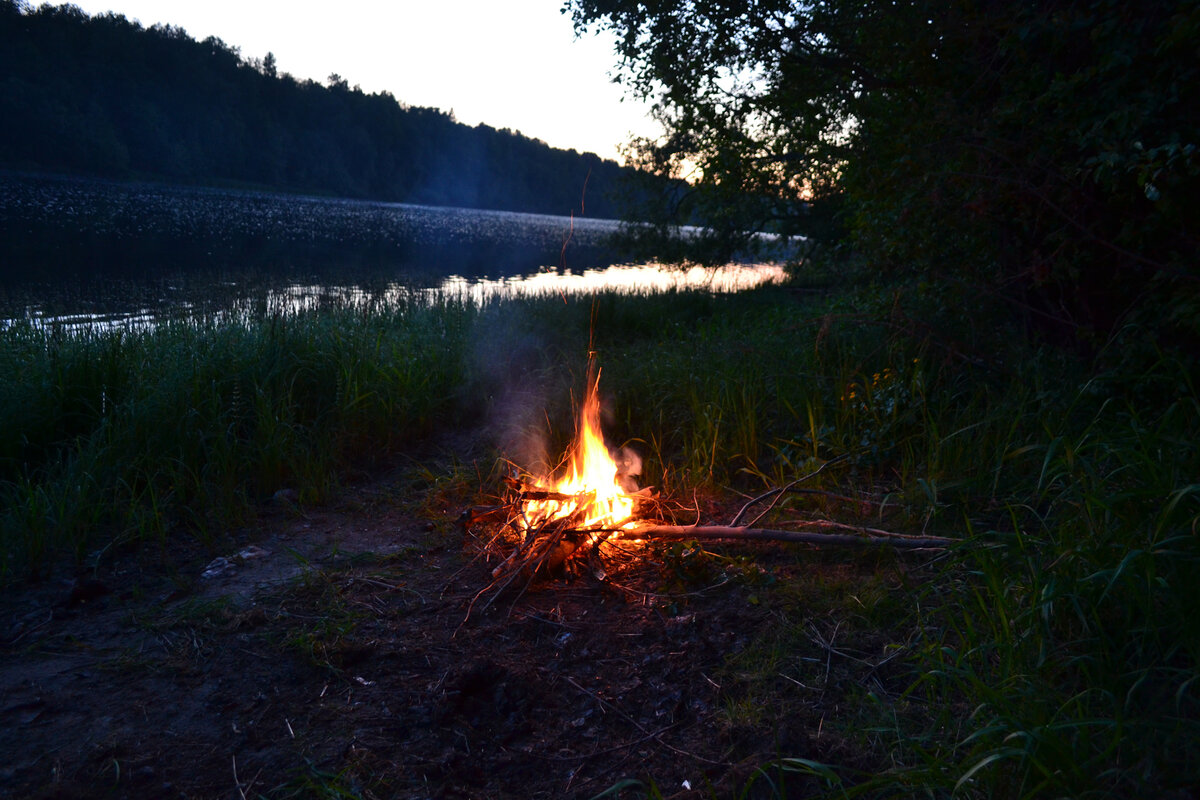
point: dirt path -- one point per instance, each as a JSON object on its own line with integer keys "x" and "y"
{"x": 332, "y": 656}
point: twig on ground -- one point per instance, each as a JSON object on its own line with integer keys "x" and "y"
{"x": 604, "y": 751}
{"x": 236, "y": 782}
{"x": 639, "y": 726}
{"x": 779, "y": 491}
{"x": 880, "y": 538}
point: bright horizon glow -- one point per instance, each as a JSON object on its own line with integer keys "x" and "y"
{"x": 515, "y": 65}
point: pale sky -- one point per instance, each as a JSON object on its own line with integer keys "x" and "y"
{"x": 507, "y": 63}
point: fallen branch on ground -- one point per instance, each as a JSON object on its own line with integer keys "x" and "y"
{"x": 525, "y": 543}
{"x": 880, "y": 539}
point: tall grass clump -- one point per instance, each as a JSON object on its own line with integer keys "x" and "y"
{"x": 1072, "y": 643}
{"x": 114, "y": 435}
{"x": 755, "y": 389}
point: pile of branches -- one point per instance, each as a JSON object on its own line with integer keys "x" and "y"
{"x": 526, "y": 547}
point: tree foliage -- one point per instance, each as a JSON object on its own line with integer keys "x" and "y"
{"x": 1042, "y": 154}
{"x": 103, "y": 95}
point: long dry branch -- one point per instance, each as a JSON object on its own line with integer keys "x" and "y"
{"x": 546, "y": 541}
{"x": 807, "y": 537}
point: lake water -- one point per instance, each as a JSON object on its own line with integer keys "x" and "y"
{"x": 79, "y": 253}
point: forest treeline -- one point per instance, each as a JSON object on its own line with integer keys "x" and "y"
{"x": 102, "y": 95}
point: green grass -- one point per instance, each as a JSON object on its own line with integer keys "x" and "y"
{"x": 117, "y": 436}
{"x": 1056, "y": 655}
{"x": 1076, "y": 638}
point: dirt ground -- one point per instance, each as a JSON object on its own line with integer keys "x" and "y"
{"x": 326, "y": 652}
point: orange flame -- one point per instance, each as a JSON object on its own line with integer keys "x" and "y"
{"x": 591, "y": 478}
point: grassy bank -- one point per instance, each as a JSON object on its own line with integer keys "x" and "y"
{"x": 114, "y": 436}
{"x": 1056, "y": 656}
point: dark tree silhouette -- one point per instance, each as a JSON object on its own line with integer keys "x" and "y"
{"x": 1042, "y": 154}
{"x": 104, "y": 96}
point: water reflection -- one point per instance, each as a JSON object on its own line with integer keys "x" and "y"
{"x": 68, "y": 229}
{"x": 629, "y": 279}
{"x": 83, "y": 254}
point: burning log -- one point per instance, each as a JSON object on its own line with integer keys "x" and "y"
{"x": 580, "y": 499}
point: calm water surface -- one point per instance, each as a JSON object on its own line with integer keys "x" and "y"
{"x": 81, "y": 253}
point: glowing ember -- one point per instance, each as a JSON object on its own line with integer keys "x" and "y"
{"x": 590, "y": 491}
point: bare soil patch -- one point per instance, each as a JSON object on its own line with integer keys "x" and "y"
{"x": 332, "y": 656}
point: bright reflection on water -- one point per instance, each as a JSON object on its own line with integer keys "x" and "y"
{"x": 94, "y": 255}
{"x": 638, "y": 280}
{"x": 630, "y": 279}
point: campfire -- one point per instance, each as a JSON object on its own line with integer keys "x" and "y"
{"x": 557, "y": 522}
{"x": 563, "y": 522}
{"x": 597, "y": 490}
